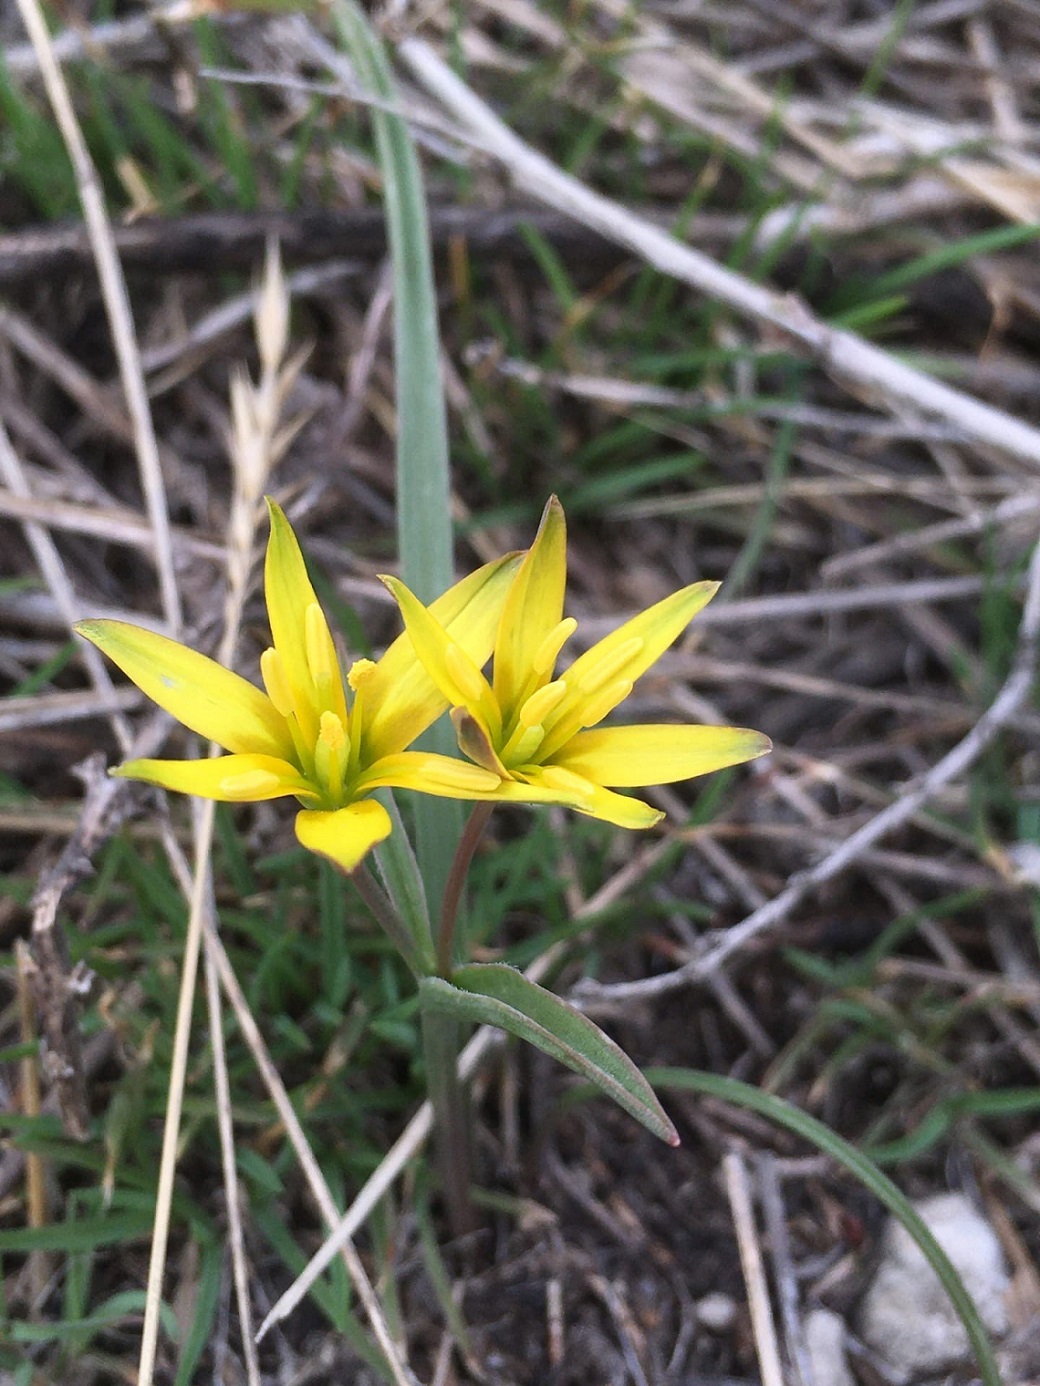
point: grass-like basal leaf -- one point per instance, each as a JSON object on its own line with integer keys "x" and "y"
{"x": 784, "y": 1114}
{"x": 423, "y": 483}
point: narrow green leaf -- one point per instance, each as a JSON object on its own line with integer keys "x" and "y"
{"x": 494, "y": 994}
{"x": 204, "y": 1311}
{"x": 423, "y": 481}
{"x": 127, "y": 1304}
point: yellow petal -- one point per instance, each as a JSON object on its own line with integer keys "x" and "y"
{"x": 344, "y": 835}
{"x": 289, "y": 593}
{"x": 401, "y": 698}
{"x": 202, "y": 694}
{"x": 532, "y": 611}
{"x": 232, "y": 779}
{"x": 620, "y": 810}
{"x": 627, "y": 756}
{"x": 623, "y": 656}
{"x": 456, "y": 676}
{"x": 443, "y": 776}
{"x": 578, "y": 793}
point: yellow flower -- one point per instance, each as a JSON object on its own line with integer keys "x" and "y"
{"x": 532, "y": 729}
{"x": 307, "y": 736}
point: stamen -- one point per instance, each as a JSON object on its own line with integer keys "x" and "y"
{"x": 606, "y": 700}
{"x": 275, "y": 681}
{"x": 523, "y": 744}
{"x": 465, "y": 675}
{"x": 359, "y": 673}
{"x": 332, "y": 733}
{"x": 548, "y": 652}
{"x": 610, "y": 663}
{"x": 250, "y": 784}
{"x": 331, "y": 755}
{"x": 538, "y": 706}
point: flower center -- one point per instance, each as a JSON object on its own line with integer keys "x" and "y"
{"x": 332, "y": 757}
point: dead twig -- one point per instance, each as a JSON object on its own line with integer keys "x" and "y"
{"x": 872, "y": 374}
{"x": 1008, "y": 702}
{"x": 738, "y": 1191}
{"x": 117, "y": 303}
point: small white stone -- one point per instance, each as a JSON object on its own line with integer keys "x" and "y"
{"x": 716, "y": 1312}
{"x": 906, "y": 1316}
{"x": 825, "y": 1344}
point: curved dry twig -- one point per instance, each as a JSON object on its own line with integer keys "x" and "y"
{"x": 870, "y": 373}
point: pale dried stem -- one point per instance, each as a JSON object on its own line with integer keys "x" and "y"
{"x": 29, "y": 1101}
{"x": 222, "y": 1089}
{"x": 256, "y": 443}
{"x": 785, "y": 1275}
{"x": 50, "y": 564}
{"x": 312, "y": 1171}
{"x": 738, "y": 1191}
{"x": 198, "y": 906}
{"x": 117, "y": 303}
{"x": 870, "y": 372}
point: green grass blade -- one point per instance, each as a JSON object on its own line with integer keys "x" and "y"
{"x": 775, "y": 1109}
{"x": 423, "y": 482}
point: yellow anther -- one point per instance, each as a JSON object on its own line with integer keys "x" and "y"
{"x": 538, "y": 706}
{"x": 331, "y": 732}
{"x": 606, "y": 700}
{"x": 250, "y": 784}
{"x": 359, "y": 673}
{"x": 567, "y": 782}
{"x": 464, "y": 674}
{"x": 273, "y": 671}
{"x": 331, "y": 755}
{"x": 609, "y": 664}
{"x": 321, "y": 656}
{"x": 548, "y": 651}
{"x": 457, "y": 775}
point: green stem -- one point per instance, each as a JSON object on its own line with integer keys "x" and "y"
{"x": 471, "y": 835}
{"x": 441, "y": 1045}
{"x": 382, "y": 908}
{"x": 451, "y": 1110}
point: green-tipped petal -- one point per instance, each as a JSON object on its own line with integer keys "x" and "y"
{"x": 563, "y": 786}
{"x": 202, "y": 694}
{"x": 624, "y": 757}
{"x": 289, "y": 593}
{"x": 232, "y": 779}
{"x": 345, "y": 835}
{"x": 533, "y": 609}
{"x": 656, "y": 628}
{"x": 622, "y": 657}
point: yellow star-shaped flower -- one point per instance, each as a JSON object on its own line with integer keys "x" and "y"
{"x": 540, "y": 734}
{"x": 307, "y": 735}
